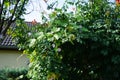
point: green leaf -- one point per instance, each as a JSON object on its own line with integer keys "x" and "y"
{"x": 56, "y": 36}
{"x": 11, "y": 11}
{"x": 84, "y": 29}
{"x": 7, "y": 4}
{"x": 71, "y": 3}
{"x": 104, "y": 52}
{"x": 116, "y": 59}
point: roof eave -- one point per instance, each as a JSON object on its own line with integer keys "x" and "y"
{"x": 8, "y": 47}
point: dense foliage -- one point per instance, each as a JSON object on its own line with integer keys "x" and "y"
{"x": 13, "y": 74}
{"x": 79, "y": 45}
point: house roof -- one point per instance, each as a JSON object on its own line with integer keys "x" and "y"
{"x": 7, "y": 42}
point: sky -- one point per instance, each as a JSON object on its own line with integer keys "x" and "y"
{"x": 35, "y": 7}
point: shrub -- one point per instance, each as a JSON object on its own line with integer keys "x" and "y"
{"x": 13, "y": 74}
{"x": 74, "y": 46}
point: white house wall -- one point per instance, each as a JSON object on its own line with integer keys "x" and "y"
{"x": 13, "y": 59}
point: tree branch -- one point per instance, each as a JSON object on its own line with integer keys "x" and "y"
{"x": 10, "y": 21}
{"x": 14, "y": 10}
{"x": 1, "y": 9}
{"x": 0, "y": 3}
{"x": 20, "y": 13}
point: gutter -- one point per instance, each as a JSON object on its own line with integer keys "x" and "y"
{"x": 8, "y": 47}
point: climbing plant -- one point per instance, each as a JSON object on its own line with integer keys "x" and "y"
{"x": 81, "y": 44}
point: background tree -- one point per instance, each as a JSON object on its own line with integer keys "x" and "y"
{"x": 10, "y": 11}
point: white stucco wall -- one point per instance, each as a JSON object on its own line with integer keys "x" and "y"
{"x": 13, "y": 59}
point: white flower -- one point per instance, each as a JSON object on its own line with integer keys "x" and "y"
{"x": 53, "y": 45}
{"x": 29, "y": 33}
{"x": 59, "y": 49}
{"x": 80, "y": 26}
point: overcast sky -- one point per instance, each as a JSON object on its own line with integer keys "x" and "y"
{"x": 35, "y": 7}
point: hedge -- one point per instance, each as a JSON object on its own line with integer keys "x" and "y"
{"x": 13, "y": 74}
